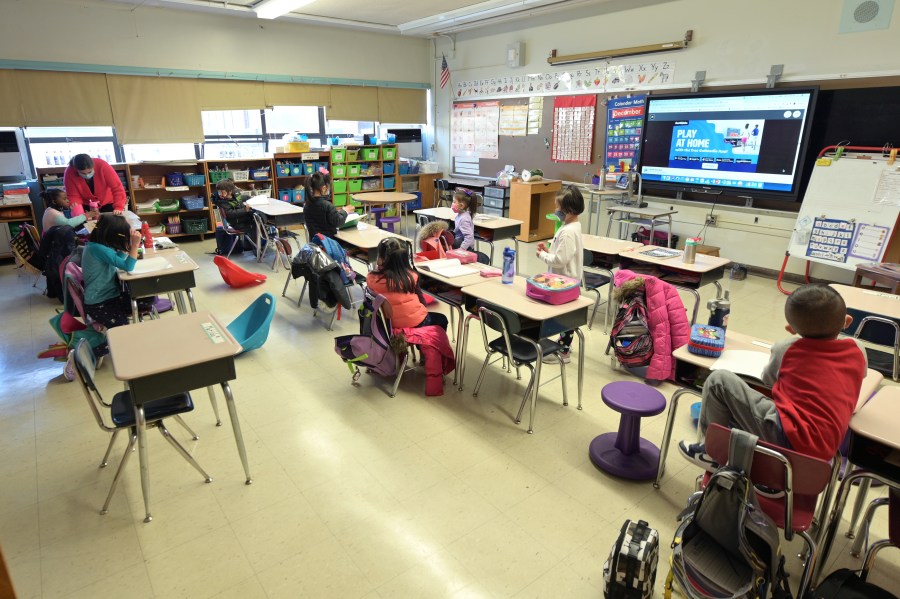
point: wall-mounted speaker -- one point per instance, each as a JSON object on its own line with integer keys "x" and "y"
{"x": 866, "y": 15}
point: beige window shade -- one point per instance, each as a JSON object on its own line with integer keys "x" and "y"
{"x": 217, "y": 94}
{"x": 55, "y": 99}
{"x": 297, "y": 94}
{"x": 352, "y": 103}
{"x": 402, "y": 105}
{"x": 10, "y": 102}
{"x": 155, "y": 109}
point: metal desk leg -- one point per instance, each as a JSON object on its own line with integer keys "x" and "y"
{"x": 236, "y": 427}
{"x": 670, "y": 231}
{"x": 463, "y": 345}
{"x": 516, "y": 242}
{"x": 190, "y": 295}
{"x": 134, "y": 311}
{"x": 140, "y": 424}
{"x": 580, "y": 364}
{"x": 179, "y": 303}
{"x": 696, "y": 295}
{"x": 459, "y": 333}
{"x": 609, "y": 224}
{"x": 590, "y": 211}
{"x": 667, "y": 432}
{"x": 858, "y": 506}
{"x": 215, "y": 405}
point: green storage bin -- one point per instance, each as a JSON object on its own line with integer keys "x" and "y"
{"x": 338, "y": 171}
{"x": 353, "y": 170}
{"x": 216, "y": 176}
{"x": 352, "y": 155}
{"x": 389, "y": 153}
{"x": 338, "y": 155}
{"x": 339, "y": 186}
{"x": 340, "y": 199}
{"x": 354, "y": 185}
{"x": 369, "y": 154}
{"x": 355, "y": 203}
{"x": 193, "y": 226}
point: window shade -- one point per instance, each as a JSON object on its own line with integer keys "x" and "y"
{"x": 217, "y": 94}
{"x": 55, "y": 99}
{"x": 10, "y": 101}
{"x": 402, "y": 105}
{"x": 352, "y": 103}
{"x": 297, "y": 94}
{"x": 155, "y": 110}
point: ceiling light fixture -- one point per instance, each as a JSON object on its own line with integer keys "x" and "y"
{"x": 272, "y": 9}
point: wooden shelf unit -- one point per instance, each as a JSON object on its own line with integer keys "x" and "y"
{"x": 344, "y": 185}
{"x": 424, "y": 184}
{"x": 531, "y": 203}
{"x": 286, "y": 184}
{"x": 13, "y": 214}
{"x": 154, "y": 174}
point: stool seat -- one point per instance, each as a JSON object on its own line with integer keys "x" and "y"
{"x": 387, "y": 222}
{"x": 624, "y": 453}
{"x": 634, "y": 399}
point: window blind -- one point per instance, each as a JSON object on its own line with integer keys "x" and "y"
{"x": 397, "y": 105}
{"x": 155, "y": 109}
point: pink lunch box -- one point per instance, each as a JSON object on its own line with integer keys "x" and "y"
{"x": 552, "y": 289}
{"x": 464, "y": 257}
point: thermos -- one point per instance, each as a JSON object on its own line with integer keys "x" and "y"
{"x": 690, "y": 250}
{"x": 509, "y": 265}
{"x": 719, "y": 309}
{"x": 148, "y": 238}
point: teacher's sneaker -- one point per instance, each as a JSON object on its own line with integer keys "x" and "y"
{"x": 696, "y": 453}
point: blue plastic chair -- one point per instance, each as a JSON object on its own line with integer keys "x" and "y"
{"x": 251, "y": 328}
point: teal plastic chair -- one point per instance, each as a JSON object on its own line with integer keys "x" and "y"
{"x": 251, "y": 328}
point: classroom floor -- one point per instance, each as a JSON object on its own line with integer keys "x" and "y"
{"x": 355, "y": 494}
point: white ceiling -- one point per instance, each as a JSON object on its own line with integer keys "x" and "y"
{"x": 405, "y": 17}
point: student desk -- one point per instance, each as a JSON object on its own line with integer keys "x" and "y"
{"x": 549, "y": 320}
{"x": 159, "y": 358}
{"x": 634, "y": 215}
{"x": 596, "y": 195}
{"x": 878, "y": 273}
{"x": 687, "y": 277}
{"x": 177, "y": 279}
{"x": 878, "y": 307}
{"x": 364, "y": 239}
{"x": 473, "y": 184}
{"x": 447, "y": 290}
{"x": 606, "y": 252}
{"x": 383, "y": 198}
{"x": 488, "y": 228}
{"x": 280, "y": 215}
{"x": 875, "y": 449}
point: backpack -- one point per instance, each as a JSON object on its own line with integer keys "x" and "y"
{"x": 726, "y": 546}
{"x": 630, "y": 571}
{"x": 630, "y": 334}
{"x": 372, "y": 348}
{"x": 846, "y": 584}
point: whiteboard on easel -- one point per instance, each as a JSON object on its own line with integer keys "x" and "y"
{"x": 849, "y": 212}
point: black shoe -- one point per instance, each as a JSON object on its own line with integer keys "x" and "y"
{"x": 696, "y": 453}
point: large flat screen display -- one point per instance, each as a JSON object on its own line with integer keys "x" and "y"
{"x": 751, "y": 143}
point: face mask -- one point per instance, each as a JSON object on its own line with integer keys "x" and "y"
{"x": 454, "y": 208}
{"x": 560, "y": 215}
{"x": 89, "y": 175}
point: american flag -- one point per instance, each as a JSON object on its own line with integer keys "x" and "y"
{"x": 445, "y": 71}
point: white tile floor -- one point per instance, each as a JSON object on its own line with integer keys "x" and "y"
{"x": 355, "y": 494}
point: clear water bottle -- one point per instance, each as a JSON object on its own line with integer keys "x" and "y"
{"x": 509, "y": 265}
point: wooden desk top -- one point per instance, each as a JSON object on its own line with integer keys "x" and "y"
{"x": 512, "y": 297}
{"x": 644, "y": 212}
{"x": 384, "y": 197}
{"x": 158, "y": 346}
{"x": 597, "y": 191}
{"x": 179, "y": 260}
{"x": 459, "y": 282}
{"x": 494, "y": 222}
{"x": 469, "y": 182}
{"x": 702, "y": 263}
{"x": 608, "y": 245}
{"x": 733, "y": 340}
{"x": 365, "y": 238}
{"x": 878, "y": 419}
{"x": 441, "y": 212}
{"x": 278, "y": 208}
{"x": 875, "y": 302}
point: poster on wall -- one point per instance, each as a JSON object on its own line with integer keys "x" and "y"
{"x": 513, "y": 120}
{"x": 535, "y": 114}
{"x": 474, "y": 130}
{"x": 624, "y": 122}
{"x": 609, "y": 78}
{"x": 830, "y": 239}
{"x": 573, "y": 128}
{"x": 869, "y": 241}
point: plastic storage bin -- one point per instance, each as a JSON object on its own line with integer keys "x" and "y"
{"x": 404, "y": 168}
{"x": 193, "y": 202}
{"x": 216, "y": 176}
{"x": 259, "y": 174}
{"x": 369, "y": 153}
{"x": 340, "y": 199}
{"x": 297, "y": 170}
{"x": 417, "y": 203}
{"x": 354, "y": 185}
{"x": 387, "y": 168}
{"x": 173, "y": 228}
{"x": 282, "y": 170}
{"x": 194, "y": 180}
{"x": 174, "y": 180}
{"x": 240, "y": 175}
{"x": 352, "y": 155}
{"x": 389, "y": 153}
{"x": 299, "y": 196}
{"x": 194, "y": 225}
{"x": 389, "y": 183}
{"x": 338, "y": 155}
{"x": 338, "y": 171}
{"x": 339, "y": 186}
{"x": 285, "y": 195}
{"x": 308, "y": 168}
{"x": 353, "y": 170}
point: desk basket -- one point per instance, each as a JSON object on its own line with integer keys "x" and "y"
{"x": 195, "y": 225}
{"x": 193, "y": 202}
{"x": 174, "y": 180}
{"x": 194, "y": 180}
{"x": 168, "y": 205}
{"x": 259, "y": 174}
{"x": 240, "y": 175}
{"x": 216, "y": 176}
{"x": 173, "y": 228}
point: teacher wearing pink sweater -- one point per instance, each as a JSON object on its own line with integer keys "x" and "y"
{"x": 89, "y": 180}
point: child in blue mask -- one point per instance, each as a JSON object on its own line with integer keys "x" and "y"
{"x": 565, "y": 255}
{"x": 464, "y": 206}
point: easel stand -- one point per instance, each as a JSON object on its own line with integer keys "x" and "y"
{"x": 850, "y": 213}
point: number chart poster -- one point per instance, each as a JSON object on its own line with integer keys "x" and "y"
{"x": 830, "y": 239}
{"x": 573, "y": 128}
{"x": 624, "y": 122}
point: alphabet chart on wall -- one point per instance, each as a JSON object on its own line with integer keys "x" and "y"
{"x": 573, "y": 128}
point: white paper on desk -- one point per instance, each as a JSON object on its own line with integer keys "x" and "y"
{"x": 485, "y": 217}
{"x": 150, "y": 265}
{"x": 744, "y": 362}
{"x": 258, "y": 201}
{"x": 448, "y": 268}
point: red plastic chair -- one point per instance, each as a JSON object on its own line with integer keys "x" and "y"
{"x": 235, "y": 276}
{"x": 802, "y": 478}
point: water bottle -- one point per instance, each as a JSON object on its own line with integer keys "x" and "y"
{"x": 148, "y": 237}
{"x": 719, "y": 309}
{"x": 509, "y": 265}
{"x": 690, "y": 250}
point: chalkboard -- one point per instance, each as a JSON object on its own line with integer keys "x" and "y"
{"x": 849, "y": 214}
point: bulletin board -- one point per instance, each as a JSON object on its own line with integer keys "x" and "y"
{"x": 849, "y": 214}
{"x": 533, "y": 150}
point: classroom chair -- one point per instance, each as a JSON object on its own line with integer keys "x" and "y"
{"x": 236, "y": 234}
{"x": 24, "y": 249}
{"x": 251, "y": 327}
{"x": 120, "y": 415}
{"x": 893, "y": 539}
{"x": 593, "y": 279}
{"x": 878, "y": 330}
{"x": 801, "y": 479}
{"x": 519, "y": 350}
{"x": 442, "y": 194}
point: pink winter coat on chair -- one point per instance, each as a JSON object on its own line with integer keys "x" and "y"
{"x": 437, "y": 353}
{"x": 668, "y": 322}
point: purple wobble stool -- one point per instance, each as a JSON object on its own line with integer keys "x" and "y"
{"x": 624, "y": 453}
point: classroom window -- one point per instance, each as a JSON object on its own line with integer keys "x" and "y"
{"x": 288, "y": 119}
{"x": 231, "y": 122}
{"x": 354, "y": 129}
{"x": 233, "y": 148}
{"x": 55, "y": 146}
{"x": 159, "y": 152}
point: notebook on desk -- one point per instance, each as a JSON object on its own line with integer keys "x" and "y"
{"x": 448, "y": 268}
{"x": 743, "y": 362}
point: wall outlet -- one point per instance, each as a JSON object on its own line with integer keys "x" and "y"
{"x": 712, "y": 220}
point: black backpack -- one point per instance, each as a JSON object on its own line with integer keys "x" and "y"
{"x": 846, "y": 584}
{"x": 630, "y": 334}
{"x": 726, "y": 546}
{"x": 630, "y": 571}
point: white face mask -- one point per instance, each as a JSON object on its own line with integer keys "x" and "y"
{"x": 89, "y": 175}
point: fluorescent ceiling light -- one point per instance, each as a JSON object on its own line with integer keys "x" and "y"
{"x": 272, "y": 9}
{"x": 480, "y": 14}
